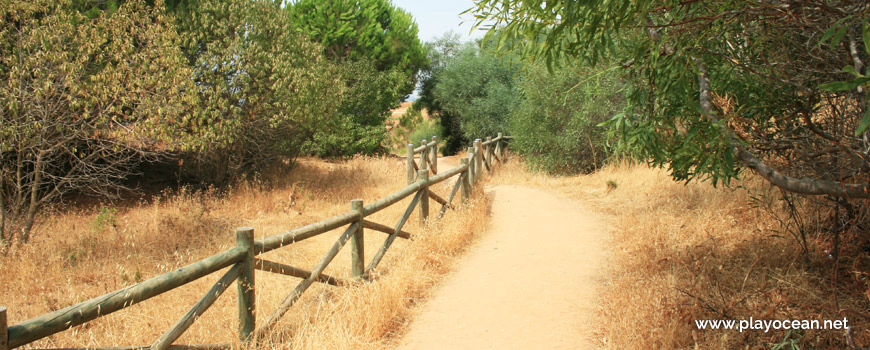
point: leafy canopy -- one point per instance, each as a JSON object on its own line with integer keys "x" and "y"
{"x": 367, "y": 29}
{"x": 477, "y": 88}
{"x": 716, "y": 86}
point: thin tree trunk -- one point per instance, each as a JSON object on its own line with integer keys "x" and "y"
{"x": 30, "y": 215}
{"x": 4, "y": 241}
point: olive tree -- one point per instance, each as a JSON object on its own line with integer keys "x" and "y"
{"x": 478, "y": 88}
{"x": 779, "y": 87}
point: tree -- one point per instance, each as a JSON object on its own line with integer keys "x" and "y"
{"x": 259, "y": 86}
{"x": 363, "y": 102}
{"x": 778, "y": 87}
{"x": 377, "y": 52}
{"x": 554, "y": 123}
{"x": 82, "y": 100}
{"x": 367, "y": 29}
{"x": 440, "y": 52}
{"x": 478, "y": 88}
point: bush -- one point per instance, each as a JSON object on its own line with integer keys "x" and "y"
{"x": 556, "y": 117}
{"x": 363, "y": 105}
{"x": 425, "y": 130}
{"x": 478, "y": 89}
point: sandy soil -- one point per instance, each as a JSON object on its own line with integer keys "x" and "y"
{"x": 529, "y": 283}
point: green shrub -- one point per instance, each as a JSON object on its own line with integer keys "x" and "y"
{"x": 425, "y": 130}
{"x": 555, "y": 121}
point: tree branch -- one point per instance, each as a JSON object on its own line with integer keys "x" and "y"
{"x": 788, "y": 183}
{"x": 805, "y": 185}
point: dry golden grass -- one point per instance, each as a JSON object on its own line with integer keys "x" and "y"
{"x": 680, "y": 253}
{"x": 82, "y": 253}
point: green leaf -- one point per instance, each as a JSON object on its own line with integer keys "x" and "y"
{"x": 866, "y": 36}
{"x": 834, "y": 30}
{"x": 865, "y": 122}
{"x": 837, "y": 86}
{"x": 851, "y": 69}
{"x": 838, "y": 36}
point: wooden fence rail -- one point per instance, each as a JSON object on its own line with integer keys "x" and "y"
{"x": 242, "y": 259}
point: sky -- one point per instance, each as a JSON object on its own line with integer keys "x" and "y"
{"x": 436, "y": 17}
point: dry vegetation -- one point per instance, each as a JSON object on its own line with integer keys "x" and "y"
{"x": 678, "y": 253}
{"x": 685, "y": 252}
{"x": 85, "y": 251}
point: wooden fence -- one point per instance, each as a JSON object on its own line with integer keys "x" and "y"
{"x": 242, "y": 259}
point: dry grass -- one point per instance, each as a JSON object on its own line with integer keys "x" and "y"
{"x": 680, "y": 253}
{"x": 81, "y": 253}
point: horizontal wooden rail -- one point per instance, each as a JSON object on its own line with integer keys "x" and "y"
{"x": 274, "y": 267}
{"x": 428, "y": 158}
{"x": 447, "y": 174}
{"x": 437, "y": 198}
{"x": 425, "y": 147}
{"x": 271, "y": 243}
{"x": 222, "y": 346}
{"x": 499, "y": 138}
{"x": 385, "y": 229}
{"x": 51, "y": 323}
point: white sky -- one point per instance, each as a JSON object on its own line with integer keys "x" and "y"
{"x": 436, "y": 17}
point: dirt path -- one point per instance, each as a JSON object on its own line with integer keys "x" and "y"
{"x": 529, "y": 283}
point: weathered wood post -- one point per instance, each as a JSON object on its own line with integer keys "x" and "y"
{"x": 4, "y": 333}
{"x": 478, "y": 162}
{"x": 505, "y": 150}
{"x": 498, "y": 146}
{"x": 357, "y": 242}
{"x": 245, "y": 283}
{"x": 424, "y": 155}
{"x": 465, "y": 186}
{"x": 470, "y": 157}
{"x": 423, "y": 174}
{"x": 410, "y": 164}
{"x": 434, "y": 163}
{"x": 489, "y": 152}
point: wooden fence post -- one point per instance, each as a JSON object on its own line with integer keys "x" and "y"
{"x": 470, "y": 157}
{"x": 424, "y": 155}
{"x": 245, "y": 283}
{"x": 4, "y": 333}
{"x": 411, "y": 172}
{"x": 489, "y": 152}
{"x": 478, "y": 164}
{"x": 498, "y": 146}
{"x": 423, "y": 174}
{"x": 434, "y": 163}
{"x": 466, "y": 185}
{"x": 357, "y": 242}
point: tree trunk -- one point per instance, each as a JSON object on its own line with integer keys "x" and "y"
{"x": 33, "y": 206}
{"x": 4, "y": 240}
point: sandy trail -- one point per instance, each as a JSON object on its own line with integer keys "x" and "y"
{"x": 529, "y": 283}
